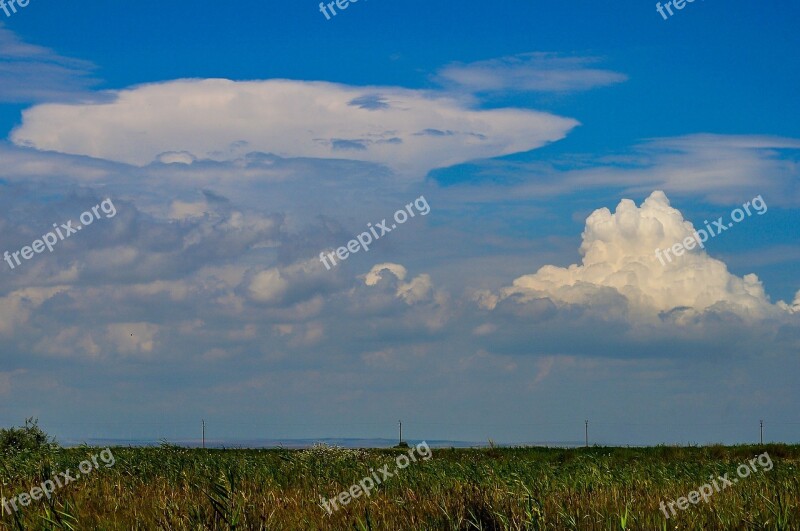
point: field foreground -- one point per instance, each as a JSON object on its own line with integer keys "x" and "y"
{"x": 489, "y": 489}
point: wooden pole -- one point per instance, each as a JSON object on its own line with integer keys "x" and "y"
{"x": 587, "y": 433}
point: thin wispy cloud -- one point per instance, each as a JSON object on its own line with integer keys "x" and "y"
{"x": 530, "y": 72}
{"x": 32, "y": 74}
{"x": 719, "y": 168}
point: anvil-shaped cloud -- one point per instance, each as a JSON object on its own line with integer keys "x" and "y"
{"x": 410, "y": 131}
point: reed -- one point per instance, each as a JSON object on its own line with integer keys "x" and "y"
{"x": 169, "y": 487}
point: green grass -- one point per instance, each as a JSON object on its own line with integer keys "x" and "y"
{"x": 489, "y": 489}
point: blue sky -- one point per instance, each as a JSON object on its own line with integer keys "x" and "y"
{"x": 240, "y": 141}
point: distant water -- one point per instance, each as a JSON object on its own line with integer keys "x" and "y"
{"x": 294, "y": 443}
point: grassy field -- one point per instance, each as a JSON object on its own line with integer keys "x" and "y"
{"x": 491, "y": 489}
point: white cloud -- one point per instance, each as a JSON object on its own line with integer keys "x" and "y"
{"x": 296, "y": 287}
{"x": 794, "y": 307}
{"x": 721, "y": 169}
{"x": 173, "y": 157}
{"x": 79, "y": 342}
{"x": 539, "y": 72}
{"x": 70, "y": 342}
{"x": 132, "y": 338}
{"x": 619, "y": 260}
{"x": 268, "y": 286}
{"x": 17, "y": 307}
{"x": 374, "y": 276}
{"x": 177, "y": 290}
{"x": 411, "y": 131}
{"x": 419, "y": 289}
{"x": 183, "y": 209}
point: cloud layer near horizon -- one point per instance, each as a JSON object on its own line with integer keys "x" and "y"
{"x": 233, "y": 304}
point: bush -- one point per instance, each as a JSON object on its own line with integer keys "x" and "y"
{"x": 29, "y": 437}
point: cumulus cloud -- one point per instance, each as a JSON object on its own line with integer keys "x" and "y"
{"x": 418, "y": 289}
{"x": 17, "y": 306}
{"x": 184, "y": 209}
{"x": 132, "y": 338}
{"x": 268, "y": 286}
{"x": 70, "y": 342}
{"x": 619, "y": 264}
{"x": 116, "y": 339}
{"x": 539, "y": 72}
{"x": 794, "y": 307}
{"x": 299, "y": 284}
{"x": 374, "y": 276}
{"x": 218, "y": 119}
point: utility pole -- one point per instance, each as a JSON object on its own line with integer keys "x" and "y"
{"x": 762, "y": 430}
{"x": 400, "y": 422}
{"x": 204, "y": 434}
{"x": 587, "y": 433}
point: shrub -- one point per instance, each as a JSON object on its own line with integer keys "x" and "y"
{"x": 29, "y": 437}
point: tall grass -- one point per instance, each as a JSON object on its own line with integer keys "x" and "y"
{"x": 492, "y": 489}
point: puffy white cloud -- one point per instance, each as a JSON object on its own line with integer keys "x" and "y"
{"x": 79, "y": 342}
{"x": 419, "y": 289}
{"x": 619, "y": 260}
{"x": 17, "y": 307}
{"x": 268, "y": 286}
{"x": 70, "y": 342}
{"x": 183, "y": 209}
{"x": 374, "y": 276}
{"x": 296, "y": 287}
{"x": 411, "y": 131}
{"x": 132, "y": 338}
{"x": 794, "y": 307}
